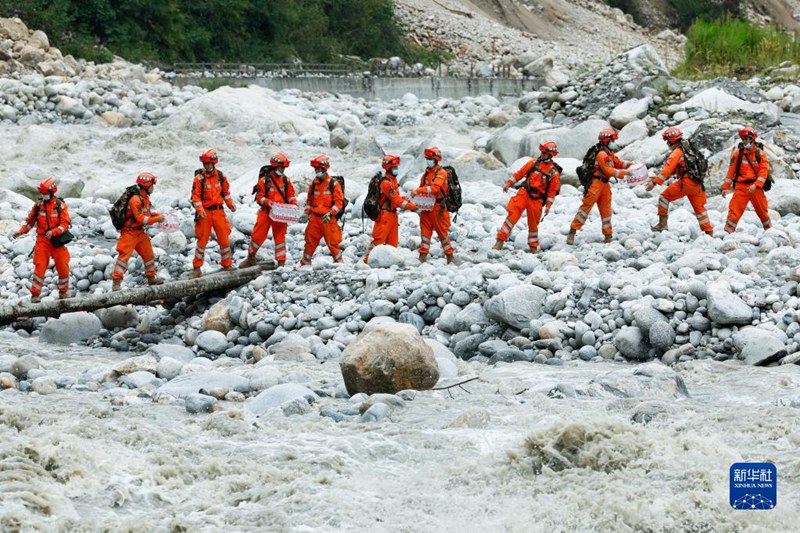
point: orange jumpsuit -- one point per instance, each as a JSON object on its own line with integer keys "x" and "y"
{"x": 133, "y": 237}
{"x": 531, "y": 198}
{"x": 325, "y": 197}
{"x": 434, "y": 183}
{"x": 385, "y": 230}
{"x": 48, "y": 215}
{"x": 607, "y": 166}
{"x": 269, "y": 189}
{"x": 682, "y": 186}
{"x": 750, "y": 173}
{"x": 209, "y": 191}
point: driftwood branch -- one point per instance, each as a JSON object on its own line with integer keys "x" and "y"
{"x": 456, "y": 385}
{"x": 147, "y": 295}
{"x": 454, "y": 11}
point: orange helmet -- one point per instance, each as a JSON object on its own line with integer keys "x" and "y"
{"x": 672, "y": 135}
{"x": 279, "y": 160}
{"x": 146, "y": 179}
{"x": 607, "y": 135}
{"x": 321, "y": 161}
{"x": 549, "y": 148}
{"x": 390, "y": 161}
{"x": 209, "y": 156}
{"x": 433, "y": 153}
{"x": 48, "y": 186}
{"x": 748, "y": 132}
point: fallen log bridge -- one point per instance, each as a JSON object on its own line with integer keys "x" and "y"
{"x": 146, "y": 295}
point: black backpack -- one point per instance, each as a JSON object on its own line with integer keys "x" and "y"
{"x": 696, "y": 164}
{"x": 120, "y": 207}
{"x": 372, "y": 206}
{"x": 265, "y": 173}
{"x": 548, "y": 178}
{"x": 586, "y": 170}
{"x": 452, "y": 201}
{"x": 760, "y": 146}
{"x": 64, "y": 238}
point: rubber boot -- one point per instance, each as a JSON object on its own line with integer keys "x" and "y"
{"x": 248, "y": 262}
{"x": 154, "y": 280}
{"x": 280, "y": 263}
{"x": 196, "y": 273}
{"x": 709, "y": 233}
{"x": 35, "y": 298}
{"x": 662, "y": 224}
{"x": 116, "y": 285}
{"x": 424, "y": 257}
{"x": 533, "y": 250}
{"x": 64, "y": 295}
{"x": 451, "y": 260}
{"x": 228, "y": 268}
{"x": 571, "y": 237}
{"x": 498, "y": 245}
{"x": 608, "y": 238}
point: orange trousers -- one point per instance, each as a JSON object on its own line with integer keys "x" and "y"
{"x": 697, "y": 197}
{"x": 385, "y": 231}
{"x": 316, "y": 230}
{"x": 218, "y": 221}
{"x": 599, "y": 193}
{"x": 131, "y": 240}
{"x": 438, "y": 219}
{"x": 520, "y": 203}
{"x": 260, "y": 232}
{"x": 43, "y": 251}
{"x": 739, "y": 203}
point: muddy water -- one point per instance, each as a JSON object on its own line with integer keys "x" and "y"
{"x": 72, "y": 461}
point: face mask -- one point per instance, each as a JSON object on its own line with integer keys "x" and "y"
{"x": 319, "y": 174}
{"x": 613, "y": 146}
{"x": 748, "y": 145}
{"x": 279, "y": 173}
{"x": 392, "y": 171}
{"x": 430, "y": 162}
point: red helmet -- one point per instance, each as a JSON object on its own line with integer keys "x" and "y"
{"x": 607, "y": 135}
{"x": 672, "y": 135}
{"x": 279, "y": 160}
{"x": 321, "y": 161}
{"x": 433, "y": 153}
{"x": 146, "y": 179}
{"x": 549, "y": 148}
{"x": 209, "y": 156}
{"x": 748, "y": 132}
{"x": 48, "y": 186}
{"x": 390, "y": 161}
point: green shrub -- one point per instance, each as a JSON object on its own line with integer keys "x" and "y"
{"x": 730, "y": 46}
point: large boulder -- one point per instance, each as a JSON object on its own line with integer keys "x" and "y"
{"x": 70, "y": 328}
{"x": 212, "y": 341}
{"x": 218, "y": 318}
{"x": 119, "y": 316}
{"x": 388, "y": 358}
{"x": 727, "y": 309}
{"x": 274, "y": 397}
{"x": 759, "y": 347}
{"x": 628, "y": 111}
{"x": 716, "y": 100}
{"x": 631, "y": 344}
{"x": 516, "y": 306}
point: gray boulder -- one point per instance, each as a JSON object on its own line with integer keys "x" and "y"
{"x": 759, "y": 347}
{"x": 275, "y": 397}
{"x": 631, "y": 344}
{"x": 726, "y": 308}
{"x": 661, "y": 335}
{"x": 71, "y": 328}
{"x": 119, "y": 316}
{"x": 199, "y": 403}
{"x": 516, "y": 306}
{"x": 186, "y": 384}
{"x": 213, "y": 342}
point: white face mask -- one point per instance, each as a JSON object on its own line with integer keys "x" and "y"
{"x": 748, "y": 145}
{"x": 613, "y": 146}
{"x": 278, "y": 172}
{"x": 392, "y": 171}
{"x": 430, "y": 163}
{"x": 319, "y": 174}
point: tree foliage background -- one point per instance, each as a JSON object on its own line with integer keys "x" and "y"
{"x": 218, "y": 30}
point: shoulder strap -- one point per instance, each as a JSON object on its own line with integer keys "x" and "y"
{"x": 738, "y": 163}
{"x": 751, "y": 164}
{"x": 286, "y": 186}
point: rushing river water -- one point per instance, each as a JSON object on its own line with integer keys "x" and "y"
{"x": 73, "y": 461}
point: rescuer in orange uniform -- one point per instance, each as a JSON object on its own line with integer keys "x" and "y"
{"x": 434, "y": 183}
{"x": 51, "y": 218}
{"x": 210, "y": 191}
{"x": 747, "y": 181}
{"x": 273, "y": 187}
{"x": 542, "y": 180}
{"x": 683, "y": 185}
{"x": 385, "y": 230}
{"x": 325, "y": 200}
{"x": 133, "y": 237}
{"x": 607, "y": 166}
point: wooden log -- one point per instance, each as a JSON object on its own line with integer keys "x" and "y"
{"x": 146, "y": 295}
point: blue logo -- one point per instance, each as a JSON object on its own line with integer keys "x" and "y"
{"x": 754, "y": 486}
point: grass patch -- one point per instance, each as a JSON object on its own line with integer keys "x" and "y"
{"x": 733, "y": 47}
